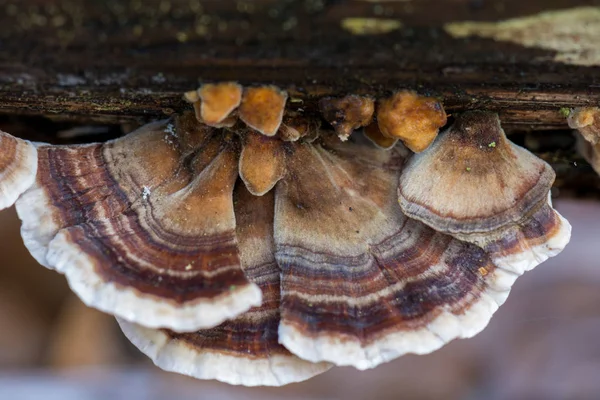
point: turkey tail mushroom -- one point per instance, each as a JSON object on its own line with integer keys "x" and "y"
{"x": 264, "y": 251}
{"x": 361, "y": 283}
{"x": 245, "y": 350}
{"x": 476, "y": 185}
{"x": 143, "y": 227}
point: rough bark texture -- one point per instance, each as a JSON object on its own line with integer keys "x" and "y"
{"x": 120, "y": 61}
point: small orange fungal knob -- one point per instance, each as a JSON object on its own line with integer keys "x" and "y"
{"x": 411, "y": 118}
{"x": 262, "y": 108}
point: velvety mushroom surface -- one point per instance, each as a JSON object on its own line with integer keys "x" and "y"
{"x": 476, "y": 185}
{"x": 246, "y": 243}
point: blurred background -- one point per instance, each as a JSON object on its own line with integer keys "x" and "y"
{"x": 544, "y": 343}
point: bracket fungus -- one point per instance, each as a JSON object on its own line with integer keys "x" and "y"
{"x": 222, "y": 352}
{"x": 502, "y": 205}
{"x": 268, "y": 249}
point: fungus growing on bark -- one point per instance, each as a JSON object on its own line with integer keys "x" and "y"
{"x": 262, "y": 108}
{"x": 295, "y": 126}
{"x": 347, "y": 113}
{"x": 476, "y": 185}
{"x": 307, "y": 259}
{"x": 413, "y": 119}
{"x": 214, "y": 103}
{"x": 217, "y": 101}
{"x": 18, "y": 166}
{"x": 587, "y": 122}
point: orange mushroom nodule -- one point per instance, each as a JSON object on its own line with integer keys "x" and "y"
{"x": 413, "y": 119}
{"x": 347, "y": 113}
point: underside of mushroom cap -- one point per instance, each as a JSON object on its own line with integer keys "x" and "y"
{"x": 18, "y": 166}
{"x": 361, "y": 283}
{"x": 245, "y": 350}
{"x": 143, "y": 227}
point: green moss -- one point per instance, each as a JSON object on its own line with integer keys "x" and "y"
{"x": 565, "y": 111}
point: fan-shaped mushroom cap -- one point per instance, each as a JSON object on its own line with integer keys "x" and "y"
{"x": 262, "y": 162}
{"x": 477, "y": 186}
{"x": 18, "y": 166}
{"x": 217, "y": 101}
{"x": 411, "y": 118}
{"x": 262, "y": 108}
{"x": 143, "y": 226}
{"x": 347, "y": 113}
{"x": 244, "y": 350}
{"x": 361, "y": 283}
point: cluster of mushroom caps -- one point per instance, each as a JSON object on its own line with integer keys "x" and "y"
{"x": 246, "y": 243}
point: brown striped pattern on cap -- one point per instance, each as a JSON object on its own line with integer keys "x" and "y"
{"x": 244, "y": 350}
{"x": 476, "y": 185}
{"x": 473, "y": 179}
{"x": 542, "y": 233}
{"x": 361, "y": 283}
{"x": 149, "y": 228}
{"x": 143, "y": 226}
{"x": 18, "y": 165}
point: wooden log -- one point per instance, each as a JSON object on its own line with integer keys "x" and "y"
{"x": 116, "y": 61}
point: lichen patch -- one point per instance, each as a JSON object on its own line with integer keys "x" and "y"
{"x": 572, "y": 33}
{"x": 370, "y": 26}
